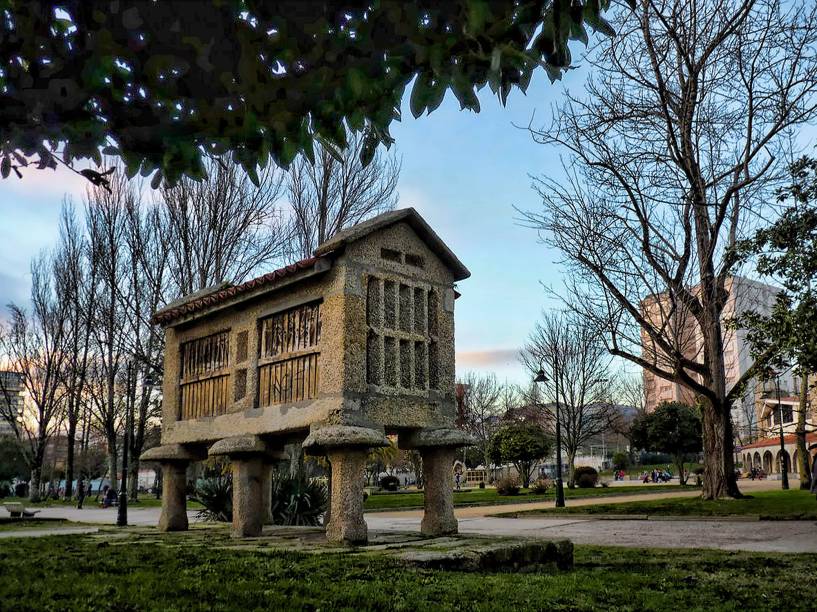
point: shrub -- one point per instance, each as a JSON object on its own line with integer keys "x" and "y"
{"x": 541, "y": 486}
{"x": 586, "y": 477}
{"x": 621, "y": 461}
{"x": 298, "y": 501}
{"x": 389, "y": 483}
{"x": 216, "y": 495}
{"x": 482, "y": 485}
{"x": 507, "y": 486}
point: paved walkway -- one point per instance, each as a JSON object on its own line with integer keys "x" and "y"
{"x": 766, "y": 536}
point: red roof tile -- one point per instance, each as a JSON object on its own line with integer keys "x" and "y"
{"x": 168, "y": 315}
{"x": 775, "y": 441}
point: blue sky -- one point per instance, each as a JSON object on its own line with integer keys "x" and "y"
{"x": 463, "y": 172}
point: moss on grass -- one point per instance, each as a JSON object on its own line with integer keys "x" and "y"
{"x": 77, "y": 573}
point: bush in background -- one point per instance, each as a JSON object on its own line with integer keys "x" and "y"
{"x": 621, "y": 461}
{"x": 540, "y": 486}
{"x": 390, "y": 483}
{"x": 507, "y": 486}
{"x": 586, "y": 477}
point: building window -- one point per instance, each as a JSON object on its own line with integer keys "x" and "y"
{"x": 288, "y": 360}
{"x": 205, "y": 378}
{"x": 401, "y": 347}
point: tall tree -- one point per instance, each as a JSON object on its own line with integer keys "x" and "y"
{"x": 252, "y": 81}
{"x": 74, "y": 283}
{"x": 523, "y": 445}
{"x": 223, "y": 228}
{"x": 670, "y": 153}
{"x": 481, "y": 395}
{"x": 786, "y": 251}
{"x": 573, "y": 355}
{"x": 34, "y": 345}
{"x": 334, "y": 193}
{"x": 672, "y": 428}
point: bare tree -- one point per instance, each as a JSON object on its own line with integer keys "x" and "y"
{"x": 34, "y": 345}
{"x": 573, "y": 353}
{"x": 106, "y": 217}
{"x": 670, "y": 154}
{"x": 74, "y": 282}
{"x": 223, "y": 228}
{"x": 481, "y": 404}
{"x": 332, "y": 194}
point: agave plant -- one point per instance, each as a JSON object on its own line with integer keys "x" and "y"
{"x": 297, "y": 501}
{"x": 216, "y": 495}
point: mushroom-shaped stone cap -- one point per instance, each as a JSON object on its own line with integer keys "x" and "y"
{"x": 343, "y": 436}
{"x": 238, "y": 445}
{"x": 171, "y": 452}
{"x": 429, "y": 438}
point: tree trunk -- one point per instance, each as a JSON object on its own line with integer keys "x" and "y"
{"x": 34, "y": 485}
{"x": 718, "y": 443}
{"x": 679, "y": 464}
{"x": 571, "y": 469}
{"x": 112, "y": 468}
{"x": 133, "y": 479}
{"x": 69, "y": 460}
{"x": 803, "y": 466}
{"x": 719, "y": 478}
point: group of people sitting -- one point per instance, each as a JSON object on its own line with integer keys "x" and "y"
{"x": 656, "y": 475}
{"x": 756, "y": 473}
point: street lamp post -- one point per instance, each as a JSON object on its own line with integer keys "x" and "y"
{"x": 784, "y": 468}
{"x": 560, "y": 491}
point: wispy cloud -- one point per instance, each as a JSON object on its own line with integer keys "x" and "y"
{"x": 488, "y": 358}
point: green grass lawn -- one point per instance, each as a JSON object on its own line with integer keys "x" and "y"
{"x": 484, "y": 497}
{"x": 767, "y": 505}
{"x": 75, "y": 573}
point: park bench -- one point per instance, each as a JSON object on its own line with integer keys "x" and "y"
{"x": 17, "y": 510}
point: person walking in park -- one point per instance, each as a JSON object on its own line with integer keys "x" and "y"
{"x": 80, "y": 493}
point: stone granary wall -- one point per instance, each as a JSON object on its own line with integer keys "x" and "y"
{"x": 333, "y": 352}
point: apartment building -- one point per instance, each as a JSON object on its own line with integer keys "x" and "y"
{"x": 681, "y": 327}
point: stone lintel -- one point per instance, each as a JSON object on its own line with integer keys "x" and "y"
{"x": 439, "y": 437}
{"x": 244, "y": 445}
{"x": 169, "y": 453}
{"x": 343, "y": 436}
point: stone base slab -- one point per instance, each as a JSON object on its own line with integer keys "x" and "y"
{"x": 453, "y": 553}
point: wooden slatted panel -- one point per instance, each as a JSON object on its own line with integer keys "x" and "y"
{"x": 204, "y": 355}
{"x": 205, "y": 398}
{"x": 291, "y": 380}
{"x": 296, "y": 329}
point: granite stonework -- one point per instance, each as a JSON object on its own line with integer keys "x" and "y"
{"x": 449, "y": 553}
{"x": 335, "y": 352}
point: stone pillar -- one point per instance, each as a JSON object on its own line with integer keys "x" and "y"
{"x": 250, "y": 457}
{"x": 346, "y": 522}
{"x": 174, "y": 497}
{"x": 174, "y": 459}
{"x": 266, "y": 491}
{"x": 248, "y": 497}
{"x": 438, "y": 449}
{"x": 438, "y": 505}
{"x": 346, "y": 447}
